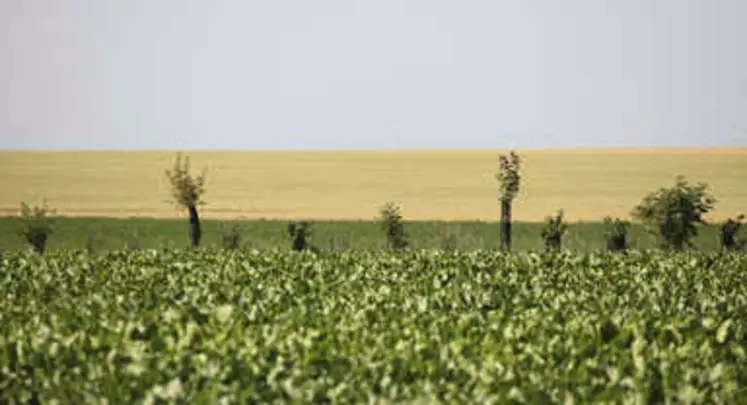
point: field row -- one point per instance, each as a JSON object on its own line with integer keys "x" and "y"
{"x": 280, "y": 327}
{"x": 110, "y": 233}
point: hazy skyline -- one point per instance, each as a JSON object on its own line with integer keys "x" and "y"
{"x": 349, "y": 74}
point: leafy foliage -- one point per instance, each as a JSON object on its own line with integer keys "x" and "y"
{"x": 508, "y": 176}
{"x": 203, "y": 327}
{"x": 392, "y": 221}
{"x": 300, "y": 233}
{"x": 616, "y": 235}
{"x": 186, "y": 190}
{"x": 673, "y": 213}
{"x": 555, "y": 228}
{"x": 729, "y": 234}
{"x": 36, "y": 225}
{"x": 509, "y": 180}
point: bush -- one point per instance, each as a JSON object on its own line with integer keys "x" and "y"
{"x": 616, "y": 235}
{"x": 187, "y": 192}
{"x": 673, "y": 213}
{"x": 300, "y": 234}
{"x": 552, "y": 233}
{"x": 729, "y": 234}
{"x": 392, "y": 221}
{"x": 230, "y": 236}
{"x": 36, "y": 226}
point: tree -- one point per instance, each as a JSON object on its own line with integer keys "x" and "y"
{"x": 36, "y": 225}
{"x": 187, "y": 193}
{"x": 729, "y": 232}
{"x": 509, "y": 179}
{"x": 393, "y": 224}
{"x": 673, "y": 213}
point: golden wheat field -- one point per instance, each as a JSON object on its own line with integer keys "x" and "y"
{"x": 439, "y": 185}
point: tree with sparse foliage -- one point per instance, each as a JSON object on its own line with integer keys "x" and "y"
{"x": 509, "y": 179}
{"x": 36, "y": 225}
{"x": 729, "y": 234}
{"x": 552, "y": 233}
{"x": 187, "y": 192}
{"x": 673, "y": 213}
{"x": 616, "y": 235}
{"x": 392, "y": 221}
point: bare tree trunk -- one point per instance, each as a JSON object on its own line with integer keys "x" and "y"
{"x": 506, "y": 225}
{"x": 195, "y": 233}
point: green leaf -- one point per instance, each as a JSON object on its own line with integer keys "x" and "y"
{"x": 723, "y": 331}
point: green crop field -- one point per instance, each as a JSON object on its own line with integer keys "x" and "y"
{"x": 189, "y": 326}
{"x": 119, "y": 310}
{"x": 147, "y": 233}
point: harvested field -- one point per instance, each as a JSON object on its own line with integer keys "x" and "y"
{"x": 431, "y": 185}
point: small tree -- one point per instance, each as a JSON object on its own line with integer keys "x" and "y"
{"x": 300, "y": 234}
{"x": 187, "y": 193}
{"x": 36, "y": 226}
{"x": 729, "y": 232}
{"x": 552, "y": 233}
{"x": 673, "y": 213}
{"x": 616, "y": 235}
{"x": 509, "y": 180}
{"x": 392, "y": 221}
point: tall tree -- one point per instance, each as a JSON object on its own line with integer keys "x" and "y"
{"x": 509, "y": 180}
{"x": 187, "y": 192}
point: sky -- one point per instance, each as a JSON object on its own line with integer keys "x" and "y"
{"x": 375, "y": 74}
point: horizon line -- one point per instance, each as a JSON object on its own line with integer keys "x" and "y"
{"x": 402, "y": 149}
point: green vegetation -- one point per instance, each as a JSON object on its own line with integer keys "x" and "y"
{"x": 730, "y": 234}
{"x": 394, "y": 226}
{"x": 204, "y": 327}
{"x": 674, "y": 213}
{"x": 300, "y": 233}
{"x": 36, "y": 225}
{"x": 147, "y": 233}
{"x": 231, "y": 235}
{"x": 555, "y": 228}
{"x": 617, "y": 234}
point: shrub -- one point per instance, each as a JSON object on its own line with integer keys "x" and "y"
{"x": 729, "y": 234}
{"x": 300, "y": 234}
{"x": 673, "y": 213}
{"x": 187, "y": 192}
{"x": 552, "y": 233}
{"x": 616, "y": 235}
{"x": 509, "y": 179}
{"x": 230, "y": 236}
{"x": 36, "y": 225}
{"x": 392, "y": 221}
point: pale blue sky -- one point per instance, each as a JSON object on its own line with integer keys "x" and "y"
{"x": 353, "y": 74}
